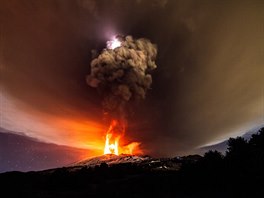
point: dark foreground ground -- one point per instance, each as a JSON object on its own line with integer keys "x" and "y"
{"x": 237, "y": 174}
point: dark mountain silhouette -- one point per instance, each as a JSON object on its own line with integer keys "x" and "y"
{"x": 222, "y": 146}
{"x": 21, "y": 153}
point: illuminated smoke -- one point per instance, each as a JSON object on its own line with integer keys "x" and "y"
{"x": 121, "y": 73}
{"x": 113, "y": 43}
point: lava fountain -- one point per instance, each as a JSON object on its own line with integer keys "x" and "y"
{"x": 114, "y": 133}
{"x": 112, "y": 138}
{"x": 111, "y": 148}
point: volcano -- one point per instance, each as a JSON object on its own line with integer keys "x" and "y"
{"x": 112, "y": 159}
{"x": 144, "y": 162}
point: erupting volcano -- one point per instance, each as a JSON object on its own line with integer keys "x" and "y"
{"x": 121, "y": 74}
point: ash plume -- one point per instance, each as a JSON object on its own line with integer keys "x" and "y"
{"x": 122, "y": 75}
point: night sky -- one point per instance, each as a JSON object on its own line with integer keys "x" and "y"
{"x": 207, "y": 87}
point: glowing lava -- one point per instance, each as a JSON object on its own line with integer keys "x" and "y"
{"x": 112, "y": 138}
{"x": 110, "y": 148}
{"x": 113, "y": 43}
{"x": 112, "y": 144}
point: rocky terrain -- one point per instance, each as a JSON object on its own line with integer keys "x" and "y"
{"x": 146, "y": 162}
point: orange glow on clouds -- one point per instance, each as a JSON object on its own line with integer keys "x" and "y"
{"x": 70, "y": 129}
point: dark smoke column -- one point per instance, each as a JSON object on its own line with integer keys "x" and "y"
{"x": 121, "y": 73}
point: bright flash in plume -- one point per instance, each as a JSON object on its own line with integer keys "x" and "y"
{"x": 112, "y": 44}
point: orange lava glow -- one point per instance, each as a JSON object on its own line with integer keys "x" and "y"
{"x": 114, "y": 133}
{"x": 111, "y": 148}
{"x": 77, "y": 131}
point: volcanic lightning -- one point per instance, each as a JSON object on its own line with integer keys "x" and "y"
{"x": 114, "y": 43}
{"x": 121, "y": 74}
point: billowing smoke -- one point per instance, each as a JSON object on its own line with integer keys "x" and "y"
{"x": 121, "y": 73}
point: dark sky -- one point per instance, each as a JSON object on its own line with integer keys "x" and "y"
{"x": 208, "y": 84}
{"x": 29, "y": 154}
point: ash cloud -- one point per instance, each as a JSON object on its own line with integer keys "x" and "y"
{"x": 122, "y": 74}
